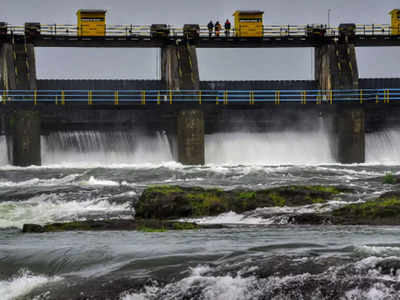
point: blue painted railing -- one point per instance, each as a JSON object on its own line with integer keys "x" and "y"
{"x": 197, "y": 96}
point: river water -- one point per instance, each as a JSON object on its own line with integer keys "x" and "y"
{"x": 259, "y": 256}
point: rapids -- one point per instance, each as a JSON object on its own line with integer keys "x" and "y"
{"x": 259, "y": 255}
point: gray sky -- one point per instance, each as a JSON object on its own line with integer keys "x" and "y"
{"x": 217, "y": 64}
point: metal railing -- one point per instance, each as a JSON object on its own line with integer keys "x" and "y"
{"x": 116, "y": 97}
{"x": 177, "y": 31}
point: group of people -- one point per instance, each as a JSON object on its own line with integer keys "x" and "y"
{"x": 217, "y": 27}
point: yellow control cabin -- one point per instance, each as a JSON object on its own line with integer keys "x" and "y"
{"x": 249, "y": 23}
{"x": 91, "y": 22}
{"x": 395, "y": 21}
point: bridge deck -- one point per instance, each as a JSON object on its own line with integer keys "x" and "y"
{"x": 140, "y": 36}
{"x": 202, "y": 42}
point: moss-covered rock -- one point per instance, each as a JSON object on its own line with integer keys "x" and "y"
{"x": 146, "y": 225}
{"x": 309, "y": 219}
{"x": 171, "y": 202}
{"x": 389, "y": 178}
{"x": 34, "y": 228}
{"x": 382, "y": 211}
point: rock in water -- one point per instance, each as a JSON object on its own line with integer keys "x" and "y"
{"x": 146, "y": 225}
{"x": 171, "y": 202}
{"x": 382, "y": 211}
{"x": 32, "y": 228}
{"x": 309, "y": 219}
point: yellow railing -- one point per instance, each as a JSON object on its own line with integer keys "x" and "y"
{"x": 225, "y": 97}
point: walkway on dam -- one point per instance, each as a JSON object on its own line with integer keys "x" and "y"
{"x": 132, "y": 97}
{"x": 140, "y": 36}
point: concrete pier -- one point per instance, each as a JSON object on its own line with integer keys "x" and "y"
{"x": 24, "y": 133}
{"x": 336, "y": 66}
{"x": 7, "y": 67}
{"x": 350, "y": 134}
{"x": 18, "y": 69}
{"x": 190, "y": 137}
{"x": 179, "y": 67}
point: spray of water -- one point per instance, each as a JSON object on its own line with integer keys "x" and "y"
{"x": 269, "y": 148}
{"x": 104, "y": 148}
{"x": 287, "y": 147}
{"x": 3, "y": 151}
{"x": 383, "y": 147}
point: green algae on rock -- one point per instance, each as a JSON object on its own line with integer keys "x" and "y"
{"x": 146, "y": 225}
{"x": 389, "y": 178}
{"x": 384, "y": 210}
{"x": 171, "y": 202}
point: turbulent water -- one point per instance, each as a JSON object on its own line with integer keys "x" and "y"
{"x": 259, "y": 256}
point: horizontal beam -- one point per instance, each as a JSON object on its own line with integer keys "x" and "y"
{"x": 202, "y": 42}
{"x": 251, "y": 97}
{"x": 376, "y": 41}
{"x": 147, "y": 42}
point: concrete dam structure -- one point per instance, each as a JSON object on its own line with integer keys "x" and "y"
{"x": 187, "y": 108}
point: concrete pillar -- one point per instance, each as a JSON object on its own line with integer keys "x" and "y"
{"x": 18, "y": 68}
{"x": 179, "y": 71}
{"x": 25, "y": 138}
{"x": 350, "y": 134}
{"x": 336, "y": 66}
{"x": 7, "y": 67}
{"x": 190, "y": 137}
{"x": 179, "y": 67}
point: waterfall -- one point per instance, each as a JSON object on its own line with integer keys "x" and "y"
{"x": 3, "y": 151}
{"x": 105, "y": 148}
{"x": 269, "y": 148}
{"x": 383, "y": 147}
{"x": 287, "y": 147}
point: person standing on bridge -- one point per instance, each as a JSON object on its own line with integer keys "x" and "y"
{"x": 210, "y": 27}
{"x": 227, "y": 28}
{"x": 217, "y": 28}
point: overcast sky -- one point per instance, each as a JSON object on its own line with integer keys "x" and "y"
{"x": 214, "y": 64}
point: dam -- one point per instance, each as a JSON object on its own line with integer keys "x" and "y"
{"x": 186, "y": 108}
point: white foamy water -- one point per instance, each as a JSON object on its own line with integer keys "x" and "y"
{"x": 3, "y": 151}
{"x": 383, "y": 147}
{"x": 379, "y": 250}
{"x": 104, "y": 148}
{"x": 212, "y": 287}
{"x": 268, "y": 215}
{"x": 23, "y": 283}
{"x": 48, "y": 208}
{"x": 229, "y": 218}
{"x": 102, "y": 182}
{"x": 67, "y": 180}
{"x": 378, "y": 291}
{"x": 202, "y": 283}
{"x": 268, "y": 148}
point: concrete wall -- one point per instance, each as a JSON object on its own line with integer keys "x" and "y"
{"x": 350, "y": 134}
{"x": 103, "y": 84}
{"x": 336, "y": 66}
{"x": 26, "y": 66}
{"x": 24, "y": 138}
{"x": 7, "y": 67}
{"x": 179, "y": 67}
{"x": 132, "y": 84}
{"x": 379, "y": 83}
{"x": 190, "y": 137}
{"x": 259, "y": 85}
{"x": 18, "y": 66}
